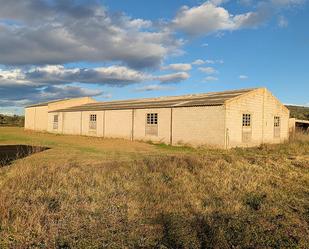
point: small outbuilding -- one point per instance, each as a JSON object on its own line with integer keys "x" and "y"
{"x": 298, "y": 125}
{"x": 239, "y": 118}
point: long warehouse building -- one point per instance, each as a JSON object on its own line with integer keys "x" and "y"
{"x": 239, "y": 118}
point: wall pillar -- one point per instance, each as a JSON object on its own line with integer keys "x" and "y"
{"x": 171, "y": 128}
{"x": 132, "y": 131}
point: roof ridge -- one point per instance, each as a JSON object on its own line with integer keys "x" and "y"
{"x": 173, "y": 97}
{"x": 204, "y": 99}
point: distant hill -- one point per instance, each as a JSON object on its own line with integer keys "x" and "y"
{"x": 299, "y": 112}
{"x": 12, "y": 120}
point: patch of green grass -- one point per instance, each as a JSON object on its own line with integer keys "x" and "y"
{"x": 89, "y": 150}
{"x": 171, "y": 148}
{"x": 254, "y": 200}
{"x": 12, "y": 137}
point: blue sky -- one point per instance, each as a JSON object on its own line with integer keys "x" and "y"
{"x": 113, "y": 49}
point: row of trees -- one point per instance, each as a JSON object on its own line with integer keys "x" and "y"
{"x": 299, "y": 112}
{"x": 12, "y": 120}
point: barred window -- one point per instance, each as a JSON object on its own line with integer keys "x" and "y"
{"x": 55, "y": 123}
{"x": 277, "y": 121}
{"x": 93, "y": 117}
{"x": 93, "y": 122}
{"x": 152, "y": 118}
{"x": 246, "y": 120}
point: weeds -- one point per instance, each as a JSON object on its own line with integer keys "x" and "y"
{"x": 243, "y": 198}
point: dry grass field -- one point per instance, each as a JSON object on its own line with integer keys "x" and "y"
{"x": 95, "y": 193}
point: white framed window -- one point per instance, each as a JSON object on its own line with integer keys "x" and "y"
{"x": 246, "y": 128}
{"x": 93, "y": 122}
{"x": 152, "y": 118}
{"x": 246, "y": 120}
{"x": 55, "y": 122}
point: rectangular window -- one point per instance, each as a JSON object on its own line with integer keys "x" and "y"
{"x": 55, "y": 122}
{"x": 152, "y": 124}
{"x": 277, "y": 121}
{"x": 246, "y": 128}
{"x": 246, "y": 120}
{"x": 93, "y": 122}
{"x": 152, "y": 118}
{"x": 277, "y": 129}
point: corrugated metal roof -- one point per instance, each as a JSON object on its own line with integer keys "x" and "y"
{"x": 206, "y": 99}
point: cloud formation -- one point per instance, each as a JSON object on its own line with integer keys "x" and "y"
{"x": 211, "y": 78}
{"x": 178, "y": 67}
{"x": 57, "y": 32}
{"x": 115, "y": 76}
{"x": 39, "y": 38}
{"x": 243, "y": 77}
{"x": 21, "y": 87}
{"x": 210, "y": 17}
{"x": 151, "y": 88}
{"x": 173, "y": 78}
{"x": 208, "y": 70}
{"x": 21, "y": 95}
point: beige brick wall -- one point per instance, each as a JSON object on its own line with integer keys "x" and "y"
{"x": 86, "y": 121}
{"x": 252, "y": 104}
{"x": 50, "y": 127}
{"x": 164, "y": 125}
{"x": 262, "y": 106}
{"x": 199, "y": 126}
{"x": 218, "y": 126}
{"x": 41, "y": 117}
{"x": 272, "y": 108}
{"x": 118, "y": 124}
{"x": 71, "y": 123}
{"x": 29, "y": 118}
{"x": 36, "y": 118}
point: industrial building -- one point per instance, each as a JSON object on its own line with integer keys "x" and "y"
{"x": 239, "y": 118}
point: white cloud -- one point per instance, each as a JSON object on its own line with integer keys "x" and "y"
{"x": 202, "y": 62}
{"x": 60, "y": 75}
{"x": 173, "y": 78}
{"x": 178, "y": 67}
{"x": 59, "y": 32}
{"x": 19, "y": 88}
{"x": 150, "y": 88}
{"x": 211, "y": 78}
{"x": 208, "y": 70}
{"x": 198, "y": 62}
{"x": 243, "y": 77}
{"x": 205, "y": 45}
{"x": 38, "y": 84}
{"x": 208, "y": 18}
{"x": 282, "y": 22}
